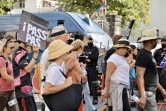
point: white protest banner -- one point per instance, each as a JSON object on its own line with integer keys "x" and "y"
{"x": 33, "y": 30}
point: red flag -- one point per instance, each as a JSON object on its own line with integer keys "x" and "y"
{"x": 101, "y": 11}
{"x": 103, "y": 1}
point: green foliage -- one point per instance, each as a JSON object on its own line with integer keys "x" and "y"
{"x": 5, "y": 4}
{"x": 129, "y": 9}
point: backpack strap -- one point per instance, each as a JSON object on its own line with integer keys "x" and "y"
{"x": 5, "y": 62}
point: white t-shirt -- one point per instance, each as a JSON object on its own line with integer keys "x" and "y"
{"x": 121, "y": 73}
{"x": 54, "y": 75}
{"x": 43, "y": 69}
{"x": 43, "y": 62}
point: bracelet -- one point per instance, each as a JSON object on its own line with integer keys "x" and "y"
{"x": 34, "y": 58}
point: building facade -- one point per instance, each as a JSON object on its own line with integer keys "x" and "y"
{"x": 34, "y": 6}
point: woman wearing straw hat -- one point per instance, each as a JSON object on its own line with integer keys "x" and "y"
{"x": 55, "y": 81}
{"x": 7, "y": 94}
{"x": 117, "y": 78}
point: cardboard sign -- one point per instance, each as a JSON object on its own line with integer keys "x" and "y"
{"x": 33, "y": 30}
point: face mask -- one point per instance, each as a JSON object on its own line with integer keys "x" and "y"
{"x": 90, "y": 44}
{"x": 139, "y": 45}
{"x": 163, "y": 45}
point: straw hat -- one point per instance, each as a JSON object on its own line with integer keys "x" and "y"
{"x": 57, "y": 48}
{"x": 123, "y": 43}
{"x": 56, "y": 31}
{"x": 2, "y": 44}
{"x": 148, "y": 34}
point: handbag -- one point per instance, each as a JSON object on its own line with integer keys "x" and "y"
{"x": 68, "y": 99}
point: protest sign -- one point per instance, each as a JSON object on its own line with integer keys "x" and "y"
{"x": 33, "y": 30}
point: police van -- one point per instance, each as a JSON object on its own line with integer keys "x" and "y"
{"x": 73, "y": 22}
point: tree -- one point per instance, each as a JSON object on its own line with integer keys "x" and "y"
{"x": 129, "y": 9}
{"x": 5, "y": 6}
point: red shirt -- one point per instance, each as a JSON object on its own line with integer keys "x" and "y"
{"x": 5, "y": 85}
{"x": 75, "y": 69}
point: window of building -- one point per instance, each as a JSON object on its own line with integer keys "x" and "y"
{"x": 22, "y": 3}
{"x": 51, "y": 3}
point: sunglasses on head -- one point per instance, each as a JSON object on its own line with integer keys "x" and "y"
{"x": 8, "y": 41}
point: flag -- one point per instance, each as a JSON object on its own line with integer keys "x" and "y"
{"x": 60, "y": 9}
{"x": 100, "y": 9}
{"x": 103, "y": 1}
{"x": 163, "y": 62}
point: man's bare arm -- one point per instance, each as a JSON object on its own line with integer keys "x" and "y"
{"x": 140, "y": 71}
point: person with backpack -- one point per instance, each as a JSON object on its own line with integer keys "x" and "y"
{"x": 7, "y": 94}
{"x": 21, "y": 69}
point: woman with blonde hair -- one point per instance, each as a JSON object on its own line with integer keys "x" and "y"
{"x": 73, "y": 67}
{"x": 7, "y": 94}
{"x": 56, "y": 81}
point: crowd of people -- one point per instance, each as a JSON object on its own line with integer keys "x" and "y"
{"x": 68, "y": 73}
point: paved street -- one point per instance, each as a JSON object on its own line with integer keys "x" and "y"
{"x": 100, "y": 105}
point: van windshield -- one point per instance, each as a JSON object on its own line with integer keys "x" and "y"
{"x": 85, "y": 23}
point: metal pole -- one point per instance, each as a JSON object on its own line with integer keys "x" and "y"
{"x": 105, "y": 7}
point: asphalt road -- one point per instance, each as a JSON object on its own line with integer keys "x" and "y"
{"x": 100, "y": 105}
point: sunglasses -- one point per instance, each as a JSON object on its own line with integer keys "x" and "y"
{"x": 69, "y": 52}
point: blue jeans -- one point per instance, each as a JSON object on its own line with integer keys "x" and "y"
{"x": 89, "y": 105}
{"x": 131, "y": 87}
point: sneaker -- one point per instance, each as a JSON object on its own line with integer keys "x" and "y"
{"x": 94, "y": 102}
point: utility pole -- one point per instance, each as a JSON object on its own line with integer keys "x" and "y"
{"x": 105, "y": 7}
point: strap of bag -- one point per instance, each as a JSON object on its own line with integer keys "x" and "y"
{"x": 63, "y": 74}
{"x": 60, "y": 71}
